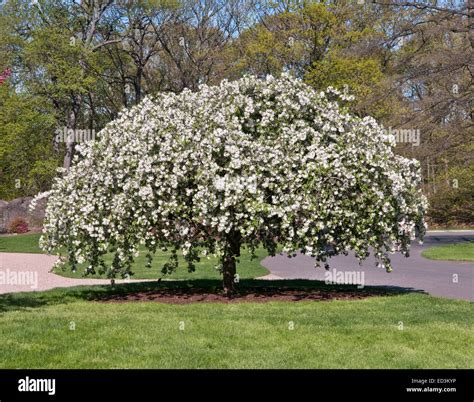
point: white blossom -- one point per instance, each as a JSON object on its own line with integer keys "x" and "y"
{"x": 272, "y": 160}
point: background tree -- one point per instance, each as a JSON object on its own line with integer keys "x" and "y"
{"x": 27, "y": 162}
{"x": 408, "y": 63}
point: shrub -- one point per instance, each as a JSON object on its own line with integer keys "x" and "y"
{"x": 18, "y": 225}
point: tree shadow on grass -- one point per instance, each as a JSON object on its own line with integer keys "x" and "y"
{"x": 198, "y": 290}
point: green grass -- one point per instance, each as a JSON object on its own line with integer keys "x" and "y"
{"x": 35, "y": 327}
{"x": 205, "y": 269}
{"x": 453, "y": 252}
{"x": 35, "y": 331}
{"x": 247, "y": 268}
{"x": 24, "y": 243}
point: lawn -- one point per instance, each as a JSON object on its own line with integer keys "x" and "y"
{"x": 70, "y": 328}
{"x": 453, "y": 252}
{"x": 24, "y": 243}
{"x": 247, "y": 268}
{"x": 36, "y": 331}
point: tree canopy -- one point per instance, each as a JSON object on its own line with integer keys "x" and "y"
{"x": 246, "y": 163}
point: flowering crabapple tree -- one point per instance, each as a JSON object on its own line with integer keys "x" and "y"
{"x": 249, "y": 163}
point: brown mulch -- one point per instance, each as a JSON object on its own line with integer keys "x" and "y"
{"x": 257, "y": 294}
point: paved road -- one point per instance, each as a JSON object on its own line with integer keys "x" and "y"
{"x": 415, "y": 272}
{"x": 21, "y": 272}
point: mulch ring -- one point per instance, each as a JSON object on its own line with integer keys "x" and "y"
{"x": 256, "y": 294}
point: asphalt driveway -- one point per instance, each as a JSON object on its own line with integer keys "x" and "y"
{"x": 439, "y": 278}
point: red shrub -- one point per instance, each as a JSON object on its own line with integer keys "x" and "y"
{"x": 18, "y": 225}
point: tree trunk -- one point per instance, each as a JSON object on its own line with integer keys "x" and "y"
{"x": 71, "y": 124}
{"x": 470, "y": 8}
{"x": 229, "y": 271}
{"x": 229, "y": 263}
{"x": 72, "y": 121}
{"x": 138, "y": 86}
